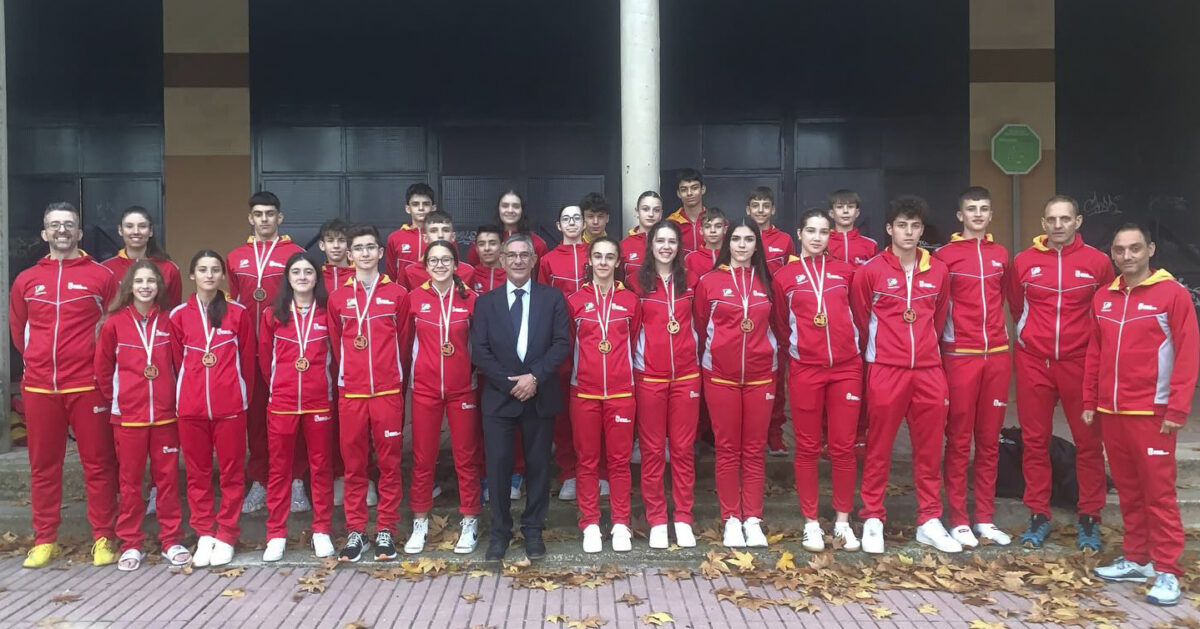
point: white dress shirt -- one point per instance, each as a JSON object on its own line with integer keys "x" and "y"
{"x": 523, "y": 336}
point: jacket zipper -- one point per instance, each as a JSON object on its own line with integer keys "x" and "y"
{"x": 983, "y": 294}
{"x": 57, "y": 316}
{"x": 1058, "y": 306}
{"x": 742, "y": 373}
{"x": 1117, "y": 356}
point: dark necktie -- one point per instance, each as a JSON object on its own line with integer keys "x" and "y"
{"x": 517, "y": 311}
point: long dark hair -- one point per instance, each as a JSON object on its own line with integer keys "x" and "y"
{"x": 153, "y": 251}
{"x": 125, "y": 290}
{"x": 647, "y": 277}
{"x": 459, "y": 286}
{"x": 587, "y": 269}
{"x": 216, "y": 307}
{"x": 523, "y": 222}
{"x": 758, "y": 261}
{"x": 283, "y": 301}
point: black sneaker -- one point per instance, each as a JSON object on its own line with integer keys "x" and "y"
{"x": 355, "y": 545}
{"x": 384, "y": 548}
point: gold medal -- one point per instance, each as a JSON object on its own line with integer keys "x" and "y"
{"x": 447, "y": 349}
{"x": 604, "y": 346}
{"x": 301, "y": 364}
{"x": 673, "y": 327}
{"x": 910, "y": 315}
{"x": 820, "y": 320}
{"x": 209, "y": 359}
{"x": 747, "y": 326}
{"x": 151, "y": 372}
{"x": 260, "y": 294}
{"x": 360, "y": 342}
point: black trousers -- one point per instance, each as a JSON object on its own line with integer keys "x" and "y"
{"x": 537, "y": 435}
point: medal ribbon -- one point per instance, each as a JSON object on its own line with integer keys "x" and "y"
{"x": 303, "y": 331}
{"x": 147, "y": 343}
{"x": 260, "y": 262}
{"x": 360, "y": 314}
{"x": 667, "y": 281}
{"x": 209, "y": 331}
{"x": 745, "y": 296}
{"x": 818, "y": 281}
{"x": 603, "y": 315}
{"x": 908, "y": 281}
{"x": 445, "y": 311}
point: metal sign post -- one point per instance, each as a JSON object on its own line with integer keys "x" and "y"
{"x": 1016, "y": 149}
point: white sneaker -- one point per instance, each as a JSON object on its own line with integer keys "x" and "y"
{"x": 932, "y": 533}
{"x": 734, "y": 536}
{"x": 814, "y": 537}
{"x": 622, "y": 538}
{"x": 416, "y": 541}
{"x": 256, "y": 498}
{"x": 275, "y": 548}
{"x": 322, "y": 545}
{"x": 467, "y": 536}
{"x": 635, "y": 458}
{"x": 204, "y": 549}
{"x": 372, "y": 495}
{"x": 1165, "y": 591}
{"x": 754, "y": 533}
{"x": 152, "y": 501}
{"x": 1121, "y": 569}
{"x": 604, "y": 488}
{"x": 567, "y": 491}
{"x": 872, "y": 539}
{"x": 658, "y": 536}
{"x": 300, "y": 503}
{"x": 592, "y": 541}
{"x": 988, "y": 530}
{"x": 684, "y": 536}
{"x": 846, "y": 533}
{"x": 963, "y": 535}
{"x": 222, "y": 553}
{"x": 339, "y": 491}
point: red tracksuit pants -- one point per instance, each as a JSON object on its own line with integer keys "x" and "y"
{"x": 363, "y": 423}
{"x": 47, "y": 417}
{"x": 1040, "y": 385}
{"x": 667, "y": 416}
{"x": 466, "y": 445}
{"x": 897, "y": 393}
{"x": 825, "y": 392}
{"x": 283, "y": 431}
{"x": 603, "y": 432}
{"x": 978, "y": 386}
{"x": 160, "y": 445}
{"x": 1142, "y": 460}
{"x": 199, "y": 438}
{"x": 740, "y": 415}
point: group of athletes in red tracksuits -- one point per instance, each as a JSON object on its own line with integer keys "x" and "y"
{"x": 307, "y": 368}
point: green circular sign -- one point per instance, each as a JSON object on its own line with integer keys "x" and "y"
{"x": 1016, "y": 149}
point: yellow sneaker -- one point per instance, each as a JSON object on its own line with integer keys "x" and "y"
{"x": 40, "y": 555}
{"x": 104, "y": 553}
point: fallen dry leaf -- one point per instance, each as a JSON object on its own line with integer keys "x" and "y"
{"x": 356, "y": 624}
{"x": 983, "y": 624}
{"x": 657, "y": 618}
{"x": 557, "y": 618}
{"x": 631, "y": 599}
{"x": 232, "y": 572}
{"x": 66, "y": 597}
{"x": 786, "y": 561}
{"x": 928, "y": 609}
{"x": 676, "y": 574}
{"x": 233, "y": 593}
{"x": 52, "y": 621}
{"x": 591, "y": 622}
{"x": 742, "y": 561}
{"x": 312, "y": 585}
{"x": 881, "y": 612}
{"x": 471, "y": 597}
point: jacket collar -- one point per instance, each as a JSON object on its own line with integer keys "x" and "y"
{"x": 923, "y": 259}
{"x": 282, "y": 238}
{"x": 1039, "y": 243}
{"x": 1160, "y": 275}
{"x": 958, "y": 237}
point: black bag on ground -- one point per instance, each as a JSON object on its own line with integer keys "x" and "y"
{"x": 1010, "y": 480}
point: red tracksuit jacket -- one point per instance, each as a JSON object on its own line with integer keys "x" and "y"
{"x": 416, "y": 275}
{"x": 693, "y": 239}
{"x": 796, "y": 308}
{"x": 852, "y": 247}
{"x": 225, "y": 389}
{"x": 292, "y": 391}
{"x": 539, "y": 247}
{"x": 405, "y": 246}
{"x": 335, "y": 276}
{"x": 562, "y": 268}
{"x": 55, "y": 309}
{"x": 879, "y": 298}
{"x": 441, "y": 374}
{"x": 658, "y": 354}
{"x": 120, "y": 263}
{"x": 378, "y": 368}
{"x": 1143, "y": 351}
{"x": 633, "y": 249}
{"x": 728, "y": 353}
{"x": 701, "y": 261}
{"x": 599, "y": 375}
{"x": 121, "y": 367}
{"x": 977, "y": 269}
{"x": 486, "y": 278}
{"x": 243, "y": 275}
{"x": 1050, "y": 295}
{"x": 778, "y": 247}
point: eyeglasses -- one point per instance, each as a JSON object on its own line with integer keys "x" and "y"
{"x": 361, "y": 249}
{"x": 523, "y": 256}
{"x": 570, "y": 219}
{"x": 439, "y": 261}
{"x": 61, "y": 226}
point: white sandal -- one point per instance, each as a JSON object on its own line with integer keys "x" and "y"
{"x": 130, "y": 560}
{"x": 178, "y": 555}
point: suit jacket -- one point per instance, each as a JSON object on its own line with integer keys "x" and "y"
{"x": 494, "y": 350}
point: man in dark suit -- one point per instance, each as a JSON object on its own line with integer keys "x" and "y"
{"x": 518, "y": 340}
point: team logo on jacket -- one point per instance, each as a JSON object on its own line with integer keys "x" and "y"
{"x": 466, "y": 406}
{"x": 39, "y": 290}
{"x": 924, "y": 284}
{"x": 169, "y": 450}
{"x": 850, "y": 397}
{"x": 224, "y": 332}
{"x": 244, "y": 263}
{"x": 426, "y": 307}
{"x": 893, "y": 282}
{"x": 161, "y": 333}
{"x": 759, "y": 294}
{"x": 318, "y": 326}
{"x": 693, "y": 395}
{"x": 858, "y": 260}
{"x": 997, "y": 264}
{"x": 622, "y": 420}
{"x": 999, "y": 403}
{"x": 1106, "y": 306}
{"x": 380, "y": 301}
{"x": 1084, "y": 274}
{"x": 633, "y": 256}
{"x": 99, "y": 409}
{"x": 727, "y": 292}
{"x": 274, "y": 264}
{"x": 834, "y": 276}
{"x": 1035, "y": 271}
{"x": 770, "y": 396}
{"x": 459, "y": 310}
{"x": 771, "y": 249}
{"x": 74, "y": 286}
{"x": 1142, "y": 306}
{"x": 800, "y": 279}
{"x": 322, "y": 418}
{"x": 620, "y": 308}
{"x": 405, "y": 248}
{"x": 391, "y": 433}
{"x": 351, "y": 303}
{"x": 589, "y": 306}
{"x": 1154, "y": 452}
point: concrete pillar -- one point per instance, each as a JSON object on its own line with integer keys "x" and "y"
{"x": 5, "y": 347}
{"x": 640, "y": 123}
{"x": 1012, "y": 81}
